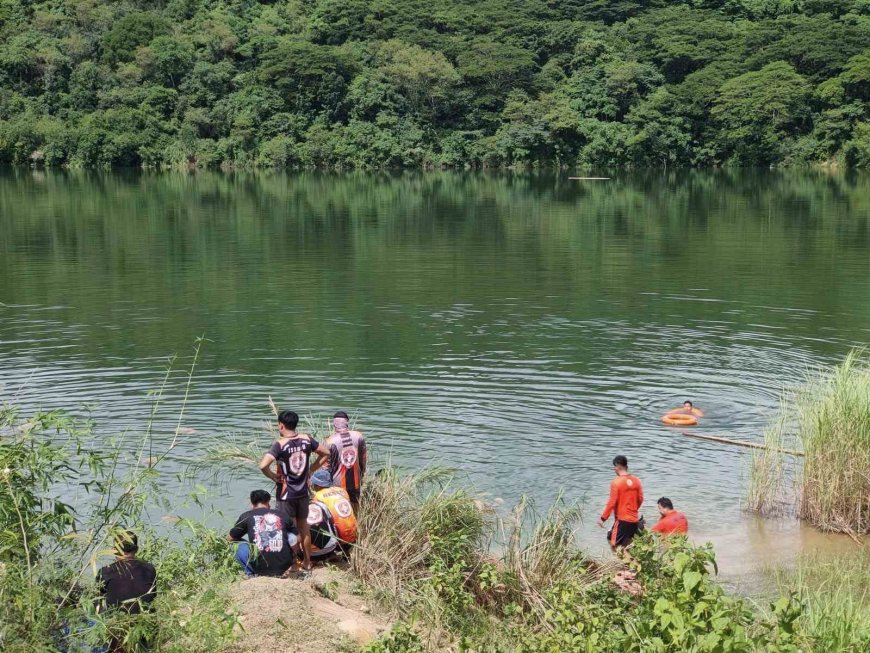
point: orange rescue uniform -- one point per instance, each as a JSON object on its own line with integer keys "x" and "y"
{"x": 626, "y": 497}
{"x": 674, "y": 522}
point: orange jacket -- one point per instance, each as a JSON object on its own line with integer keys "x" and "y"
{"x": 626, "y": 497}
{"x": 337, "y": 502}
{"x": 674, "y": 522}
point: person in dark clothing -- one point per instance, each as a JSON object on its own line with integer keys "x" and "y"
{"x": 347, "y": 457}
{"x": 128, "y": 583}
{"x": 270, "y": 534}
{"x": 290, "y": 454}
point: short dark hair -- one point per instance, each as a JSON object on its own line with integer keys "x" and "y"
{"x": 340, "y": 413}
{"x": 260, "y": 496}
{"x": 622, "y": 461}
{"x": 664, "y": 502}
{"x": 126, "y": 542}
{"x": 689, "y": 402}
{"x": 288, "y": 418}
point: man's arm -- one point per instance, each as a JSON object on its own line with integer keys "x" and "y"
{"x": 322, "y": 458}
{"x": 611, "y": 504}
{"x": 266, "y": 467}
{"x": 323, "y": 450}
{"x": 238, "y": 531}
{"x": 363, "y": 456}
{"x": 639, "y": 494}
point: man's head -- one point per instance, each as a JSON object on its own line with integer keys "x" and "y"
{"x": 260, "y": 499}
{"x": 321, "y": 479}
{"x": 688, "y": 405}
{"x": 340, "y": 421}
{"x": 620, "y": 464}
{"x": 287, "y": 421}
{"x": 126, "y": 544}
{"x": 665, "y": 506}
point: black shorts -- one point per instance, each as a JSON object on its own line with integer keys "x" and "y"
{"x": 624, "y": 533}
{"x": 293, "y": 509}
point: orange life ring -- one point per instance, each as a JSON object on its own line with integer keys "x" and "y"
{"x": 679, "y": 419}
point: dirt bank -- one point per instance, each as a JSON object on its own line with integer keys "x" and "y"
{"x": 329, "y": 615}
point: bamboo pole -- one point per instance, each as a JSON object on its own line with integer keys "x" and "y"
{"x": 740, "y": 443}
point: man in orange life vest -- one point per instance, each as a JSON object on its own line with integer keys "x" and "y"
{"x": 347, "y": 457}
{"x": 672, "y": 521}
{"x": 330, "y": 517}
{"x": 626, "y": 497}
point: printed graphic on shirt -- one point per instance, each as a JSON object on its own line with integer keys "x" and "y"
{"x": 348, "y": 456}
{"x": 629, "y": 482}
{"x": 297, "y": 461}
{"x": 343, "y": 508}
{"x": 315, "y": 515}
{"x": 267, "y": 533}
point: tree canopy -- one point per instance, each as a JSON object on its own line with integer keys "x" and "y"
{"x": 378, "y": 83}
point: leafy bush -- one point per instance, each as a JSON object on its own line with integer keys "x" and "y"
{"x": 63, "y": 494}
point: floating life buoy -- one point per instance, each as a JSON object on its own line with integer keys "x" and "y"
{"x": 679, "y": 419}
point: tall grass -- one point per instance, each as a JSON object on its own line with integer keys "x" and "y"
{"x": 835, "y": 593}
{"x": 835, "y": 432}
{"x": 831, "y": 421}
{"x": 772, "y": 472}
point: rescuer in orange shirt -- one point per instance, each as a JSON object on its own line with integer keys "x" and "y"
{"x": 672, "y": 521}
{"x": 626, "y": 497}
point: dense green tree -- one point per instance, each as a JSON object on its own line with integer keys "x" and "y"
{"x": 757, "y": 110}
{"x": 381, "y": 83}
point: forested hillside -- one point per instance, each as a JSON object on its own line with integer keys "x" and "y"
{"x": 388, "y": 83}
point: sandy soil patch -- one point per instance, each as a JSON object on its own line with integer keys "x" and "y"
{"x": 303, "y": 616}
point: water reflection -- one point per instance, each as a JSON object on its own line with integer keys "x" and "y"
{"x": 522, "y": 327}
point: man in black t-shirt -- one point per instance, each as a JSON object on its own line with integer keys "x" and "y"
{"x": 128, "y": 583}
{"x": 291, "y": 453}
{"x": 268, "y": 550}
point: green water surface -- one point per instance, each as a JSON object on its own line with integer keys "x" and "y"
{"x": 524, "y": 328}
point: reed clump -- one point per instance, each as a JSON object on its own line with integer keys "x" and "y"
{"x": 829, "y": 418}
{"x": 834, "y": 427}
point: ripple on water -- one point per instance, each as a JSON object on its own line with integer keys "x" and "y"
{"x": 525, "y": 341}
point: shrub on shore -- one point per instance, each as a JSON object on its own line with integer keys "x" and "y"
{"x": 56, "y": 524}
{"x": 831, "y": 423}
{"x": 459, "y": 578}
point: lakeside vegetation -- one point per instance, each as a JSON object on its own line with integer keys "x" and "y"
{"x": 829, "y": 420}
{"x": 63, "y": 497}
{"x": 370, "y": 84}
{"x": 453, "y": 573}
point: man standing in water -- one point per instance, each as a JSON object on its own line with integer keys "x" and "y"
{"x": 290, "y": 453}
{"x": 672, "y": 521}
{"x": 347, "y": 457}
{"x": 626, "y": 497}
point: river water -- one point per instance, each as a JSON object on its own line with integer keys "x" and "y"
{"x": 522, "y": 328}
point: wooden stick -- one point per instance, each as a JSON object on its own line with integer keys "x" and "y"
{"x": 740, "y": 443}
{"x": 590, "y": 178}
